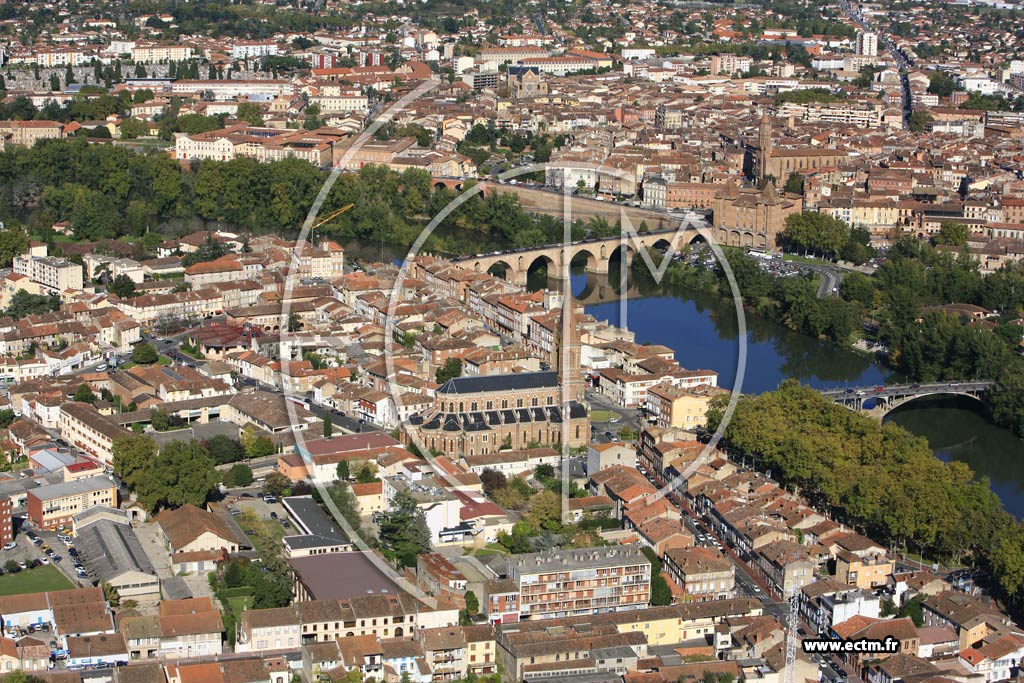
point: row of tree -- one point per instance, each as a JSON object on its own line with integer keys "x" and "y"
{"x": 109, "y": 192}
{"x": 817, "y": 233}
{"x": 879, "y": 478}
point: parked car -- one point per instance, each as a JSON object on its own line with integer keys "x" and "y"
{"x": 10, "y": 546}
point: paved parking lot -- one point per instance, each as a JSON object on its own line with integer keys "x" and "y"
{"x": 263, "y": 510}
{"x": 59, "y": 555}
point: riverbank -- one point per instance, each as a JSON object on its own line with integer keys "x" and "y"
{"x": 702, "y": 327}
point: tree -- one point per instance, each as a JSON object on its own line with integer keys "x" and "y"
{"x": 181, "y": 474}
{"x": 328, "y": 427}
{"x": 492, "y": 480}
{"x": 545, "y": 511}
{"x": 275, "y": 484}
{"x": 919, "y": 121}
{"x": 294, "y": 322}
{"x": 84, "y": 394}
{"x": 250, "y": 112}
{"x": 366, "y": 474}
{"x": 132, "y": 455}
{"x": 22, "y": 304}
{"x": 256, "y": 445}
{"x": 953, "y": 234}
{"x": 13, "y": 242}
{"x": 403, "y": 531}
{"x": 451, "y": 369}
{"x": 661, "y": 594}
{"x": 123, "y": 286}
{"x": 342, "y": 496}
{"x": 145, "y": 354}
{"x": 472, "y": 603}
{"x": 342, "y": 471}
{"x": 132, "y": 128}
{"x": 19, "y": 676}
{"x": 12, "y": 567}
{"x": 223, "y": 449}
{"x": 1008, "y": 562}
{"x": 942, "y": 84}
{"x": 111, "y": 595}
{"x": 795, "y": 183}
{"x": 239, "y": 475}
{"x": 810, "y": 231}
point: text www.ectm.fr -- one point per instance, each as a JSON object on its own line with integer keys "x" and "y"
{"x": 889, "y": 646}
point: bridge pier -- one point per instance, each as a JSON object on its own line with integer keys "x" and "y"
{"x": 598, "y": 267}
{"x": 516, "y": 277}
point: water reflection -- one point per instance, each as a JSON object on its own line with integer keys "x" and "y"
{"x": 959, "y": 428}
{"x": 703, "y": 330}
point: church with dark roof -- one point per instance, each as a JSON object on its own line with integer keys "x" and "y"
{"x": 476, "y": 415}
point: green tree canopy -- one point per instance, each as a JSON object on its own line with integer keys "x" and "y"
{"x": 132, "y": 456}
{"x": 238, "y": 475}
{"x": 451, "y": 369}
{"x": 145, "y": 353}
{"x": 403, "y": 531}
{"x": 182, "y": 473}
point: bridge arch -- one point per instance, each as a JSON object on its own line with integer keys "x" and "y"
{"x": 663, "y": 245}
{"x": 530, "y": 263}
{"x": 587, "y": 258}
{"x": 502, "y": 269}
{"x": 891, "y": 404}
{"x": 451, "y": 184}
{"x": 880, "y": 401}
{"x": 623, "y": 253}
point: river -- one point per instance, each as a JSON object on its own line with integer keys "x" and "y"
{"x": 703, "y": 331}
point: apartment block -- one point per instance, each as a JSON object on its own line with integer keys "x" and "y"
{"x": 702, "y": 573}
{"x": 152, "y": 54}
{"x": 6, "y": 520}
{"x": 52, "y": 506}
{"x": 84, "y": 427}
{"x": 53, "y": 275}
{"x": 581, "y": 581}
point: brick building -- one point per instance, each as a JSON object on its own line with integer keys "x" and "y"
{"x": 751, "y": 217}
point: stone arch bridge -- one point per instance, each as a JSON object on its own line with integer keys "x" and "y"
{"x": 598, "y": 252}
{"x": 881, "y": 400}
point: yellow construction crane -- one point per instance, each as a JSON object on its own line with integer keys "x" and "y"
{"x": 329, "y": 217}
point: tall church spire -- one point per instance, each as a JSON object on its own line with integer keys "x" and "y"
{"x": 764, "y": 144}
{"x": 567, "y": 352}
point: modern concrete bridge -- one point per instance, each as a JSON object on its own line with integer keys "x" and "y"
{"x": 883, "y": 399}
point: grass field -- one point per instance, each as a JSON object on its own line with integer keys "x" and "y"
{"x": 602, "y": 415}
{"x": 239, "y": 604}
{"x": 162, "y": 360}
{"x": 37, "y": 580}
{"x": 272, "y": 525}
{"x": 490, "y": 549}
